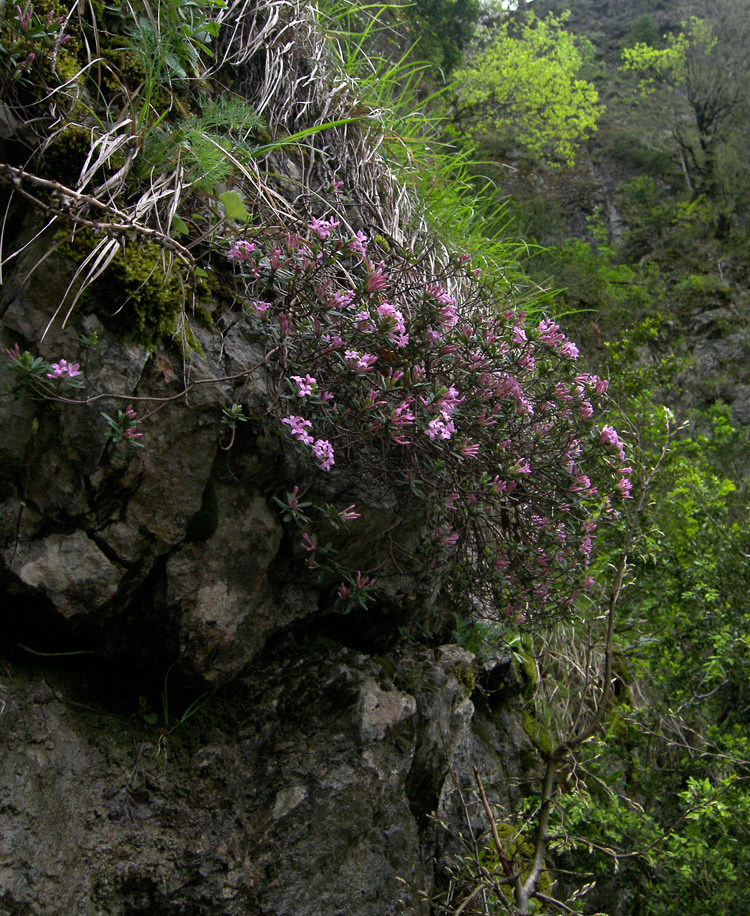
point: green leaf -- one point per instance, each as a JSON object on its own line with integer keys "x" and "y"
{"x": 178, "y": 227}
{"x": 233, "y": 206}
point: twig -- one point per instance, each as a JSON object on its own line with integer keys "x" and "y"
{"x": 493, "y": 826}
{"x": 120, "y": 223}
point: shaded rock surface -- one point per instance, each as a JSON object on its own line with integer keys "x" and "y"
{"x": 186, "y": 728}
{"x": 300, "y": 789}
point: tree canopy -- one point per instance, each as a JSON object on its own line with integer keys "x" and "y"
{"x": 707, "y": 67}
{"x": 525, "y": 86}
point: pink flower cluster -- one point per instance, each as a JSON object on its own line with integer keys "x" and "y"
{"x": 305, "y": 386}
{"x": 241, "y": 251}
{"x": 129, "y": 422}
{"x": 393, "y": 319}
{"x": 323, "y": 228}
{"x": 321, "y": 448}
{"x": 442, "y": 426}
{"x": 360, "y": 362}
{"x": 478, "y": 412}
{"x": 63, "y": 370}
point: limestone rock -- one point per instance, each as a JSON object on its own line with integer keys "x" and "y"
{"x": 219, "y": 589}
{"x": 269, "y": 801}
{"x": 69, "y": 570}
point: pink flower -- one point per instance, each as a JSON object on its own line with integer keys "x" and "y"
{"x": 358, "y": 245}
{"x": 63, "y": 369}
{"x": 292, "y": 499}
{"x": 261, "y": 307}
{"x": 129, "y": 412}
{"x": 371, "y": 401}
{"x": 448, "y": 316}
{"x": 519, "y": 336}
{"x": 600, "y": 384}
{"x": 450, "y": 538}
{"x": 14, "y": 352}
{"x": 241, "y": 251}
{"x": 448, "y": 401}
{"x": 394, "y": 320}
{"x": 440, "y": 428}
{"x": 24, "y": 16}
{"x": 402, "y": 416}
{"x": 348, "y": 514}
{"x": 323, "y": 451}
{"x": 436, "y": 291}
{"x": 298, "y": 427}
{"x": 341, "y": 299}
{"x": 569, "y": 350}
{"x": 610, "y": 438}
{"x": 376, "y": 278}
{"x": 625, "y": 486}
{"x": 364, "y": 322}
{"x": 360, "y": 362}
{"x": 305, "y": 386}
{"x": 469, "y": 449}
{"x": 323, "y": 228}
{"x": 131, "y": 433}
{"x": 310, "y": 543}
{"x": 549, "y": 332}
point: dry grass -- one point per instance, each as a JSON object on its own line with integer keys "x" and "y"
{"x": 278, "y": 57}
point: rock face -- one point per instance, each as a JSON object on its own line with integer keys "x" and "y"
{"x": 186, "y": 728}
{"x": 304, "y": 789}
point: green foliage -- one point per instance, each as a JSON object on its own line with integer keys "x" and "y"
{"x": 525, "y": 86}
{"x": 662, "y": 792}
{"x": 208, "y": 145}
{"x": 444, "y": 29}
{"x": 477, "y": 872}
{"x": 707, "y": 69}
{"x": 168, "y": 43}
{"x": 631, "y": 152}
{"x": 601, "y": 294}
{"x": 643, "y": 31}
{"x": 150, "y": 293}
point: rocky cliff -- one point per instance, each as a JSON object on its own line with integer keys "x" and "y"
{"x": 187, "y": 726}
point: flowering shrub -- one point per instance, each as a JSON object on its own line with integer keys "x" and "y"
{"x": 124, "y": 427}
{"x": 36, "y": 378}
{"x": 475, "y": 418}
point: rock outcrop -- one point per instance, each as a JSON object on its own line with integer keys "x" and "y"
{"x": 187, "y": 727}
